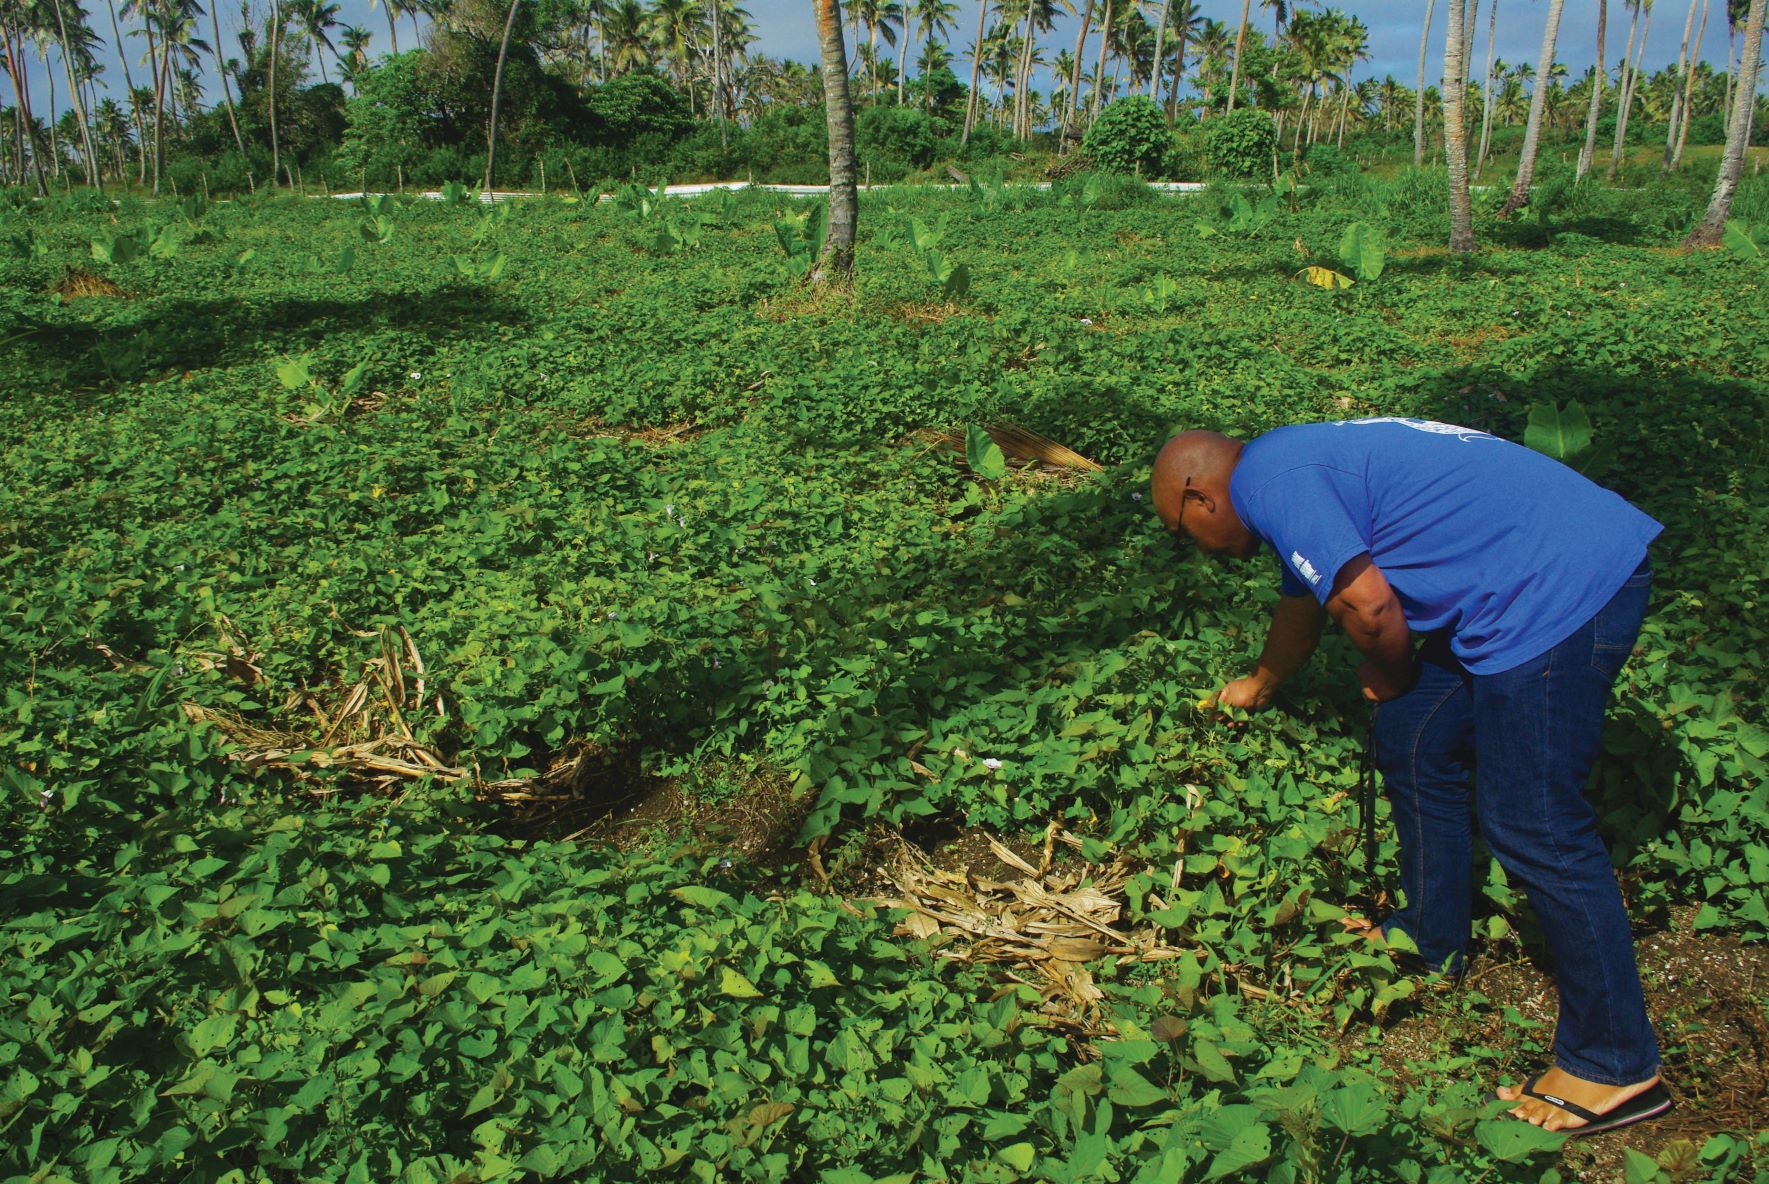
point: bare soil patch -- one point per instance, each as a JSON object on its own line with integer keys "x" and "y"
{"x": 1708, "y": 995}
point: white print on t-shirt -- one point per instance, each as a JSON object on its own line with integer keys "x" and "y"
{"x": 1304, "y": 567}
{"x": 1423, "y": 425}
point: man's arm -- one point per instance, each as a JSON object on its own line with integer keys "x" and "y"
{"x": 1295, "y": 630}
{"x": 1368, "y": 610}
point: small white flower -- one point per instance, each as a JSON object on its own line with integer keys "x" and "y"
{"x": 651, "y": 556}
{"x": 1087, "y": 320}
{"x": 990, "y": 762}
{"x": 44, "y": 796}
{"x": 813, "y": 583}
{"x": 613, "y": 616}
{"x": 715, "y": 663}
{"x": 179, "y": 567}
{"x": 670, "y": 509}
{"x": 543, "y": 377}
{"x": 1136, "y": 497}
{"x": 416, "y": 375}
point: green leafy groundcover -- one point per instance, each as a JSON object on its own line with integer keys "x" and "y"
{"x": 625, "y": 485}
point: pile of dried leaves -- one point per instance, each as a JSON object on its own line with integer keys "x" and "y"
{"x": 1044, "y": 923}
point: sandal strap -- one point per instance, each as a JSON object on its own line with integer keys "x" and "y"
{"x": 1572, "y": 1108}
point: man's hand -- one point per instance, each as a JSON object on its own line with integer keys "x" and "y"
{"x": 1247, "y": 694}
{"x": 1382, "y": 685}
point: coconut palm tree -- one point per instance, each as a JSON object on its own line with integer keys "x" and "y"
{"x": 836, "y": 263}
{"x": 1455, "y": 128}
{"x": 1419, "y": 102}
{"x": 1713, "y": 224}
{"x": 1597, "y": 76}
{"x": 1677, "y": 86}
{"x": 1532, "y": 133}
{"x": 1630, "y": 80}
{"x": 1234, "y": 81}
{"x": 1099, "y": 70}
{"x": 929, "y": 18}
{"x": 497, "y": 87}
{"x": 1689, "y": 90}
{"x": 976, "y": 69}
{"x": 1486, "y": 89}
{"x": 625, "y": 44}
{"x": 317, "y": 18}
{"x": 77, "y": 48}
{"x": 354, "y": 41}
{"x": 392, "y": 20}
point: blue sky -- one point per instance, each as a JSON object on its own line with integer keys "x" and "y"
{"x": 785, "y": 30}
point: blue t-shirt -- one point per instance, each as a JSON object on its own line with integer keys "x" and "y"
{"x": 1507, "y": 549}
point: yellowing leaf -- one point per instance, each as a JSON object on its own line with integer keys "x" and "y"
{"x": 735, "y": 985}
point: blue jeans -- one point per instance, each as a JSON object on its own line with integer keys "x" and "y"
{"x": 1530, "y": 734}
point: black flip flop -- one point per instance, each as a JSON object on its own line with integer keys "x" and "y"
{"x": 1651, "y": 1104}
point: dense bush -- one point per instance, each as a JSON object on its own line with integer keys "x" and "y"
{"x": 1130, "y": 136}
{"x": 1325, "y": 160}
{"x": 1240, "y": 143}
{"x": 893, "y": 142}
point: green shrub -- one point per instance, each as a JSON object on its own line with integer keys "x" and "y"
{"x": 1130, "y": 136}
{"x": 893, "y": 141}
{"x": 1240, "y": 143}
{"x": 1326, "y": 160}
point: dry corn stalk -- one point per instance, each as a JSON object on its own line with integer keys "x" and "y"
{"x": 1044, "y": 923}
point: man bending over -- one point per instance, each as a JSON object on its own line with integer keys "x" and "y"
{"x": 1528, "y": 583}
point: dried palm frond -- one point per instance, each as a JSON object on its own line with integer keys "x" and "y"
{"x": 1042, "y": 922}
{"x": 1018, "y": 443}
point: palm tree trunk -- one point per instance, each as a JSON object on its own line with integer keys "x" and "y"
{"x": 497, "y": 89}
{"x": 1538, "y": 102}
{"x": 1689, "y": 90}
{"x": 93, "y": 176}
{"x": 276, "y": 24}
{"x": 1486, "y": 91}
{"x": 976, "y": 69}
{"x": 392, "y": 32}
{"x": 233, "y": 122}
{"x": 27, "y": 125}
{"x": 1731, "y": 53}
{"x": 1022, "y": 75}
{"x": 1099, "y": 73}
{"x": 1631, "y": 84}
{"x": 1075, "y": 71}
{"x": 1173, "y": 84}
{"x": 1234, "y": 80}
{"x": 1419, "y": 99}
{"x": 904, "y": 58}
{"x": 1160, "y": 58}
{"x": 128, "y": 81}
{"x": 1178, "y": 75}
{"x": 157, "y": 58}
{"x": 836, "y": 264}
{"x": 1598, "y": 77}
{"x": 1683, "y": 66}
{"x": 1713, "y": 224}
{"x": 1455, "y": 128}
{"x": 1621, "y": 90}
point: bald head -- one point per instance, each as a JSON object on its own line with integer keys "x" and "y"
{"x": 1190, "y": 487}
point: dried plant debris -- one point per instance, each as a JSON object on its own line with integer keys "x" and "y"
{"x": 362, "y": 732}
{"x": 1043, "y": 923}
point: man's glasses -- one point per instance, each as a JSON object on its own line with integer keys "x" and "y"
{"x": 1182, "y": 542}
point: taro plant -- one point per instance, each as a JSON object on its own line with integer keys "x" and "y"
{"x": 453, "y": 193}
{"x": 983, "y": 454}
{"x": 475, "y": 271}
{"x": 1240, "y": 218}
{"x": 1363, "y": 249}
{"x": 296, "y": 375}
{"x": 801, "y": 238}
{"x": 1747, "y": 241}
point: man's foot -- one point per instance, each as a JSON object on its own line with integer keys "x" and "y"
{"x": 1594, "y": 1098}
